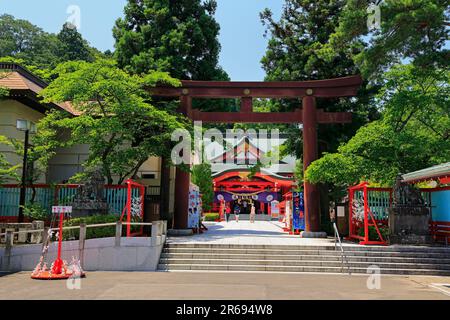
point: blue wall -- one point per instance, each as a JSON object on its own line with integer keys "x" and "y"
{"x": 441, "y": 205}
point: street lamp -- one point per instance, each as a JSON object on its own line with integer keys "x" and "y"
{"x": 28, "y": 127}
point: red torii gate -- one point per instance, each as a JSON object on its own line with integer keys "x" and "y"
{"x": 308, "y": 91}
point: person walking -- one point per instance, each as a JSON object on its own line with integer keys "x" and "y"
{"x": 237, "y": 210}
{"x": 252, "y": 213}
{"x": 227, "y": 212}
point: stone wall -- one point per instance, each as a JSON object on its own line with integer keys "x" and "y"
{"x": 106, "y": 254}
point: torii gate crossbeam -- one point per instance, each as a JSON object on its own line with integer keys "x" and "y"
{"x": 308, "y": 91}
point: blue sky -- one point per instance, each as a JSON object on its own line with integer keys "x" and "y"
{"x": 243, "y": 44}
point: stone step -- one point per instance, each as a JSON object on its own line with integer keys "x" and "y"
{"x": 352, "y": 264}
{"x": 304, "y": 257}
{"x": 305, "y": 252}
{"x": 303, "y": 269}
{"x": 331, "y": 247}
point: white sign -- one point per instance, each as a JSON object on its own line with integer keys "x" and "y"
{"x": 62, "y": 209}
{"x": 341, "y": 211}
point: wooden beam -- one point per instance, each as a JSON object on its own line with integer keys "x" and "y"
{"x": 247, "y": 104}
{"x": 340, "y": 87}
{"x": 333, "y": 117}
{"x": 269, "y": 117}
{"x": 247, "y": 117}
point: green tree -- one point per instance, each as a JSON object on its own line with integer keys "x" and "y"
{"x": 6, "y": 169}
{"x": 41, "y": 51}
{"x": 72, "y": 46}
{"x": 409, "y": 30}
{"x": 3, "y": 91}
{"x": 118, "y": 122}
{"x": 292, "y": 55}
{"x": 413, "y": 134}
{"x": 179, "y": 37}
{"x": 202, "y": 177}
{"x": 23, "y": 40}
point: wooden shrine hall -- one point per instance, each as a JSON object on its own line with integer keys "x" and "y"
{"x": 307, "y": 114}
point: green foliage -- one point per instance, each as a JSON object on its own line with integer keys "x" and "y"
{"x": 116, "y": 118}
{"x": 413, "y": 133}
{"x": 91, "y": 233}
{"x": 373, "y": 234}
{"x": 36, "y": 211}
{"x": 6, "y": 169}
{"x": 72, "y": 46}
{"x": 202, "y": 177}
{"x": 179, "y": 37}
{"x": 292, "y": 55}
{"x": 23, "y": 40}
{"x": 3, "y": 91}
{"x": 211, "y": 216}
{"x": 414, "y": 30}
{"x": 38, "y": 50}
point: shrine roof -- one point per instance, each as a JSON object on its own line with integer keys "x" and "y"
{"x": 432, "y": 173}
{"x": 22, "y": 83}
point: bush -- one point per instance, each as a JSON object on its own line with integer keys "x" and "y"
{"x": 94, "y": 233}
{"x": 373, "y": 235}
{"x": 91, "y": 233}
{"x": 211, "y": 216}
{"x": 35, "y": 211}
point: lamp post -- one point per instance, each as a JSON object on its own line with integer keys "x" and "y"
{"x": 28, "y": 127}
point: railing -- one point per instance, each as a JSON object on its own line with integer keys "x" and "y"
{"x": 48, "y": 196}
{"x": 440, "y": 231}
{"x": 337, "y": 239}
{"x": 153, "y": 191}
{"x": 159, "y": 229}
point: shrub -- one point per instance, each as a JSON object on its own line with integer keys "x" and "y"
{"x": 35, "y": 211}
{"x": 211, "y": 216}
{"x": 94, "y": 233}
{"x": 373, "y": 235}
{"x": 91, "y": 233}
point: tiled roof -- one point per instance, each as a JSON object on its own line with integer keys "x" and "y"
{"x": 17, "y": 78}
{"x": 439, "y": 171}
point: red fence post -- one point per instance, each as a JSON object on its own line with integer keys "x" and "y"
{"x": 128, "y": 208}
{"x": 350, "y": 212}
{"x": 366, "y": 215}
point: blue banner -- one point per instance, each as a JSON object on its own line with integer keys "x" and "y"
{"x": 298, "y": 212}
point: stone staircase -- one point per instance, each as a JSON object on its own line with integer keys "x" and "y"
{"x": 305, "y": 258}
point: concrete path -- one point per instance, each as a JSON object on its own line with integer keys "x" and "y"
{"x": 244, "y": 232}
{"x": 229, "y": 286}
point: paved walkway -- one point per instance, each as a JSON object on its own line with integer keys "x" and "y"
{"x": 229, "y": 286}
{"x": 244, "y": 232}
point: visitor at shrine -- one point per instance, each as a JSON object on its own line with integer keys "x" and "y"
{"x": 237, "y": 211}
{"x": 227, "y": 212}
{"x": 252, "y": 213}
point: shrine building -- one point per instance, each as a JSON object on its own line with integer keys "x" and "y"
{"x": 238, "y": 180}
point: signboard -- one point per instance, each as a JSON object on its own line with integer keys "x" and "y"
{"x": 61, "y": 209}
{"x": 298, "y": 212}
{"x": 275, "y": 209}
{"x": 194, "y": 207}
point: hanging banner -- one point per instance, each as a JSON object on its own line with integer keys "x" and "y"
{"x": 275, "y": 209}
{"x": 298, "y": 214}
{"x": 194, "y": 207}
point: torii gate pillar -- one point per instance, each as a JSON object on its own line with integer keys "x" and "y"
{"x": 310, "y": 154}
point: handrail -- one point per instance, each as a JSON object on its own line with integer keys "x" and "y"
{"x": 111, "y": 224}
{"x": 343, "y": 255}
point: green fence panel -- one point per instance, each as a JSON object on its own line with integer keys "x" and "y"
{"x": 9, "y": 202}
